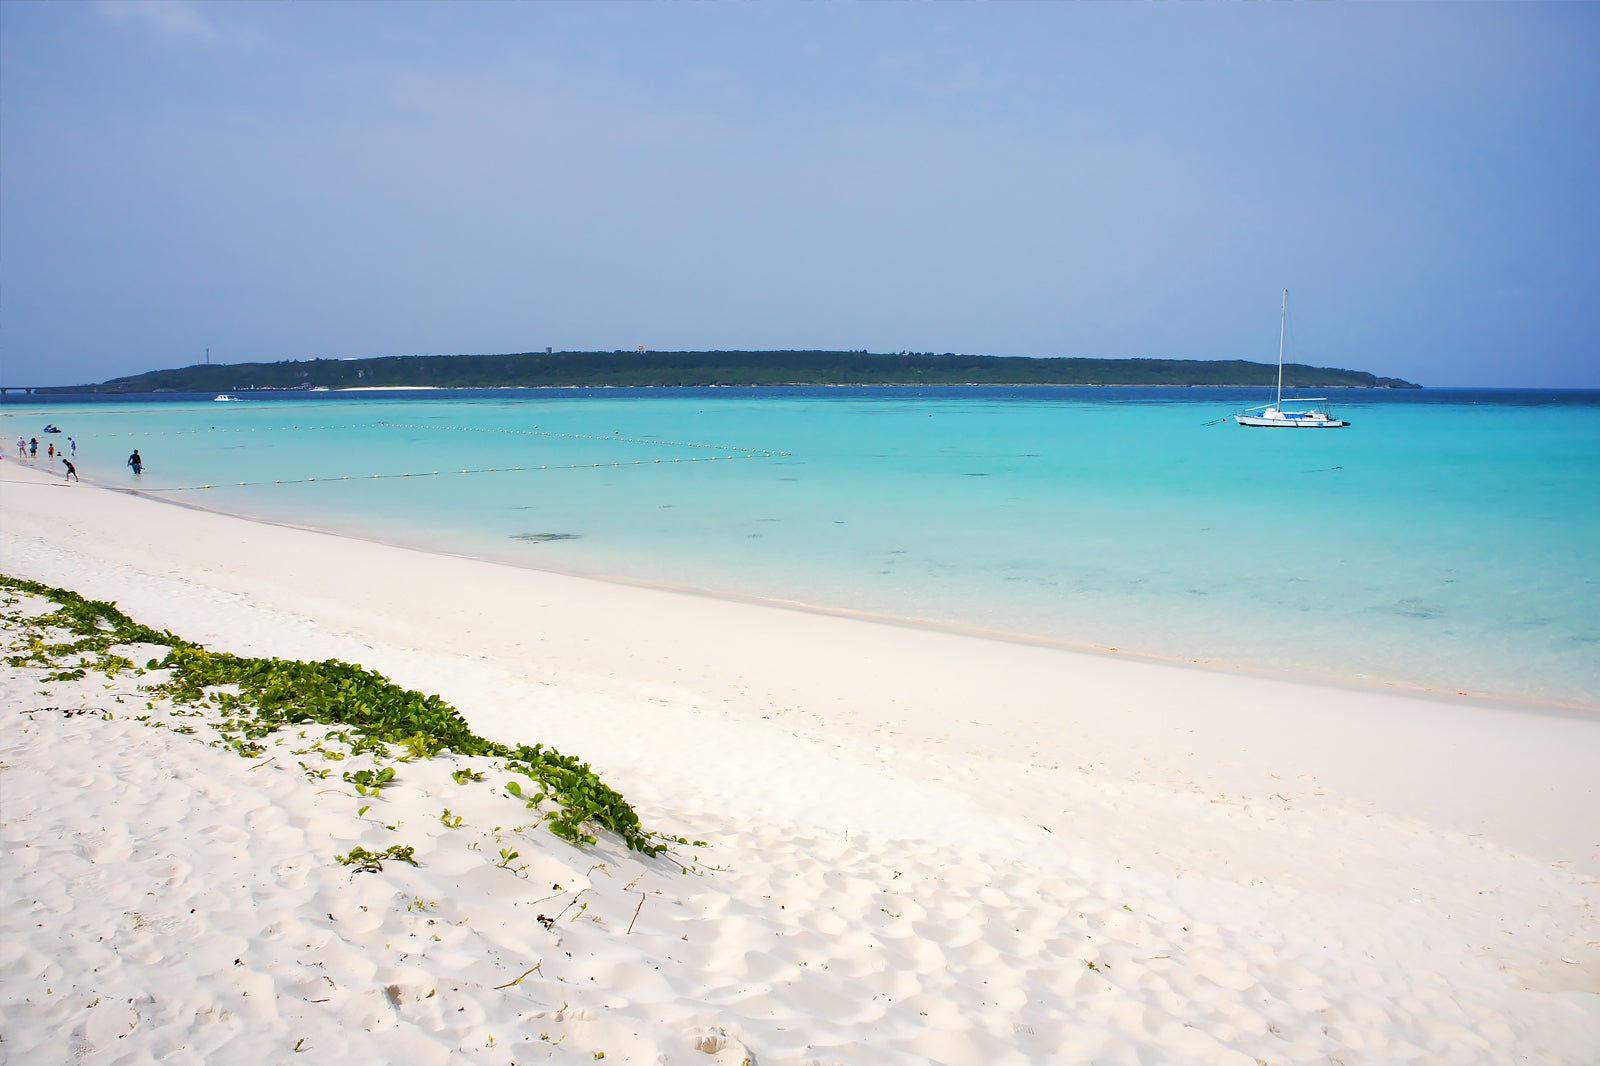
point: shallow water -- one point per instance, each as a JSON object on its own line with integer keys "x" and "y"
{"x": 1446, "y": 539}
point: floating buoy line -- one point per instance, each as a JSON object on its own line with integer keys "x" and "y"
{"x": 615, "y": 438}
{"x": 727, "y": 452}
{"x": 480, "y": 470}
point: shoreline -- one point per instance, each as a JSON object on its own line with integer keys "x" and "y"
{"x": 754, "y": 622}
{"x": 919, "y": 841}
{"x": 1353, "y": 683}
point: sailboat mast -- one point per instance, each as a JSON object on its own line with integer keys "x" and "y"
{"x": 1283, "y": 321}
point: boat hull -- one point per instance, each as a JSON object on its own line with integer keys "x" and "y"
{"x": 1305, "y": 421}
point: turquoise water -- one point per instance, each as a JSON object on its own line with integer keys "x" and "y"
{"x": 1447, "y": 539}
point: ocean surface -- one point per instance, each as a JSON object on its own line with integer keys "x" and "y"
{"x": 1448, "y": 539}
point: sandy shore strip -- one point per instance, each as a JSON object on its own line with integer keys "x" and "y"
{"x": 920, "y": 847}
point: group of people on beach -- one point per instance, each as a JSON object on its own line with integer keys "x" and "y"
{"x": 28, "y": 448}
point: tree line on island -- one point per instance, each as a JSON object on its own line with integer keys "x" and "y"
{"x": 623, "y": 368}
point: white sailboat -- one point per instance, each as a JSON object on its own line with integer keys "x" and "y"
{"x": 1272, "y": 415}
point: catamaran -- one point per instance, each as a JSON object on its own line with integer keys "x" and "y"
{"x": 1273, "y": 415}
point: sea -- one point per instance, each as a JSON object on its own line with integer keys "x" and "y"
{"x": 1447, "y": 540}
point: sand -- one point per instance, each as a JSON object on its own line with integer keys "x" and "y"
{"x": 920, "y": 846}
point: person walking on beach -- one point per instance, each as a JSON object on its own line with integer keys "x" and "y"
{"x": 136, "y": 462}
{"x": 33, "y": 447}
{"x": 50, "y": 452}
{"x": 72, "y": 471}
{"x": 72, "y": 446}
{"x": 22, "y": 447}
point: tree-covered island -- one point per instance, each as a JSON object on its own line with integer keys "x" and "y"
{"x": 623, "y": 368}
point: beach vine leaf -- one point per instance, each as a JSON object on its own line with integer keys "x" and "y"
{"x": 366, "y": 861}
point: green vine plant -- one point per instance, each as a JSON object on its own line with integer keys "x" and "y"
{"x": 366, "y": 861}
{"x": 370, "y": 782}
{"x": 258, "y": 697}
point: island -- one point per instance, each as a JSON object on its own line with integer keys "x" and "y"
{"x": 650, "y": 368}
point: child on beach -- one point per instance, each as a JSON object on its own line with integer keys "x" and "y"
{"x": 72, "y": 471}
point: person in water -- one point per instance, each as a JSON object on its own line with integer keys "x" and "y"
{"x": 72, "y": 471}
{"x": 136, "y": 462}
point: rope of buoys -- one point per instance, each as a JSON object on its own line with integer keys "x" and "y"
{"x": 614, "y": 438}
{"x": 754, "y": 454}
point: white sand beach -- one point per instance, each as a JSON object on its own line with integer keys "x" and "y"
{"x": 920, "y": 846}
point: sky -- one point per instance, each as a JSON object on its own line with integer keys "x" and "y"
{"x": 278, "y": 181}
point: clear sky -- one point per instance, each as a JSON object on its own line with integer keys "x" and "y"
{"x": 288, "y": 181}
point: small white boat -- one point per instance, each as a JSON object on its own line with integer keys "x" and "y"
{"x": 225, "y": 398}
{"x": 1272, "y": 415}
{"x": 1311, "y": 418}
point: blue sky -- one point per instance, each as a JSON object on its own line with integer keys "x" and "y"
{"x": 286, "y": 181}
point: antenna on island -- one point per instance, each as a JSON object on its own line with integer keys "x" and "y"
{"x": 208, "y": 356}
